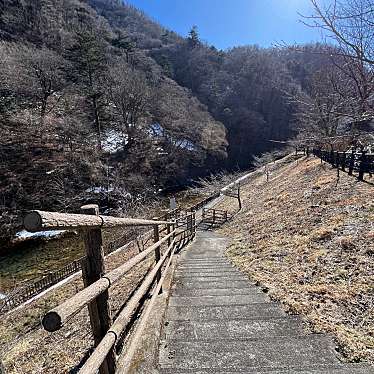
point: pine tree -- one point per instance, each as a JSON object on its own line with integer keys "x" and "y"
{"x": 89, "y": 56}
{"x": 193, "y": 37}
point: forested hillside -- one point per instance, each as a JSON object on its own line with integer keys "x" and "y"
{"x": 87, "y": 115}
{"x": 100, "y": 103}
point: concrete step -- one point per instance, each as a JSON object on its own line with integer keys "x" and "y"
{"x": 197, "y": 259}
{"x": 209, "y": 253}
{"x": 218, "y": 274}
{"x": 206, "y": 267}
{"x": 207, "y": 258}
{"x": 308, "y": 352}
{"x": 191, "y": 291}
{"x": 207, "y": 270}
{"x": 223, "y": 312}
{"x": 216, "y": 278}
{"x": 346, "y": 369}
{"x": 217, "y": 256}
{"x": 233, "y": 329}
{"x": 197, "y": 268}
{"x": 208, "y": 283}
{"x": 218, "y": 300}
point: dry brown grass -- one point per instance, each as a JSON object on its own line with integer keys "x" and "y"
{"x": 27, "y": 348}
{"x": 308, "y": 238}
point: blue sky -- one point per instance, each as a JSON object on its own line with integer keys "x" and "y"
{"x": 228, "y": 23}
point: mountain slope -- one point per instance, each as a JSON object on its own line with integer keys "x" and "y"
{"x": 80, "y": 105}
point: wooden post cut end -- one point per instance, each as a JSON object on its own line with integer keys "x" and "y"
{"x": 52, "y": 321}
{"x": 90, "y": 209}
{"x": 32, "y": 221}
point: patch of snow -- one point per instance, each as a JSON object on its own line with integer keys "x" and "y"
{"x": 40, "y": 234}
{"x": 2, "y": 296}
{"x": 156, "y": 129}
{"x": 114, "y": 141}
{"x": 99, "y": 189}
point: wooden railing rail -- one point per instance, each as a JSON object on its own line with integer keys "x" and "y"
{"x": 38, "y": 220}
{"x": 351, "y": 161}
{"x": 21, "y": 295}
{"x": 214, "y": 216}
{"x": 99, "y": 355}
{"x": 125, "y": 360}
{"x": 97, "y": 281}
{"x": 58, "y": 316}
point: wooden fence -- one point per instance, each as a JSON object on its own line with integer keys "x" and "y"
{"x": 359, "y": 163}
{"x": 213, "y": 217}
{"x": 169, "y": 234}
{"x": 23, "y": 294}
{"x": 19, "y": 296}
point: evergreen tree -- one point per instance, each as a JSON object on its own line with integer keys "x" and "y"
{"x": 193, "y": 37}
{"x": 89, "y": 56}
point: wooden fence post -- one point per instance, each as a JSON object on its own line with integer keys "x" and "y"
{"x": 338, "y": 163}
{"x": 190, "y": 219}
{"x": 362, "y": 167}
{"x": 351, "y": 163}
{"x": 194, "y": 224}
{"x": 156, "y": 238}
{"x": 344, "y": 156}
{"x": 168, "y": 227}
{"x": 332, "y": 158}
{"x": 173, "y": 227}
{"x": 239, "y": 200}
{"x": 93, "y": 269}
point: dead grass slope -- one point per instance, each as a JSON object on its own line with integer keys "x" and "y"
{"x": 309, "y": 239}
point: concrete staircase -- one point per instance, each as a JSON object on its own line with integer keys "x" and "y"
{"x": 218, "y": 322}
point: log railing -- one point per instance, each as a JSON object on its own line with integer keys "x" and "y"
{"x": 98, "y": 282}
{"x": 214, "y": 217}
{"x": 25, "y": 293}
{"x": 352, "y": 162}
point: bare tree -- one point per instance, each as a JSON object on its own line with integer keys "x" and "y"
{"x": 36, "y": 74}
{"x": 129, "y": 94}
{"x": 322, "y": 108}
{"x": 350, "y": 24}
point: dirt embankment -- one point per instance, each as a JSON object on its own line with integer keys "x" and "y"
{"x": 308, "y": 238}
